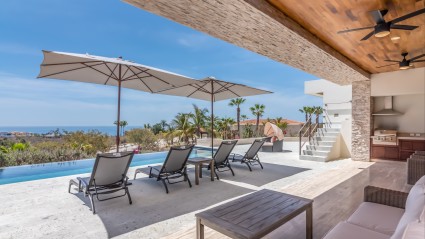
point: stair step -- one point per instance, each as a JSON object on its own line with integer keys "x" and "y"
{"x": 319, "y": 148}
{"x": 329, "y": 130}
{"x": 332, "y": 134}
{"x": 316, "y": 153}
{"x": 324, "y": 138}
{"x": 322, "y": 143}
{"x": 314, "y": 158}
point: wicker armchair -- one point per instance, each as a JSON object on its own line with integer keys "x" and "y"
{"x": 385, "y": 196}
{"x": 415, "y": 167}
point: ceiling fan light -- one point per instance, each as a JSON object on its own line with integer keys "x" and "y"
{"x": 404, "y": 65}
{"x": 382, "y": 30}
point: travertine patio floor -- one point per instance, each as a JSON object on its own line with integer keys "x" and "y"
{"x": 44, "y": 209}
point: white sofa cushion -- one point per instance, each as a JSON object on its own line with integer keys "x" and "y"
{"x": 414, "y": 230}
{"x": 414, "y": 206}
{"x": 347, "y": 230}
{"x": 422, "y": 216}
{"x": 377, "y": 217}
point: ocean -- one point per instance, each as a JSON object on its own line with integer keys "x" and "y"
{"x": 109, "y": 130}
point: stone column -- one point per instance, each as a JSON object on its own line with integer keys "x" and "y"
{"x": 362, "y": 123}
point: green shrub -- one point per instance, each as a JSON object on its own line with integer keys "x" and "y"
{"x": 143, "y": 137}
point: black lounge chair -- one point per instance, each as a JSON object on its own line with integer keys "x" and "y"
{"x": 109, "y": 175}
{"x": 174, "y": 167}
{"x": 221, "y": 157}
{"x": 251, "y": 156}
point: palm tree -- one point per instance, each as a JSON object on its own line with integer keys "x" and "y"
{"x": 305, "y": 110}
{"x": 184, "y": 129}
{"x": 122, "y": 124}
{"x": 164, "y": 124}
{"x": 318, "y": 111}
{"x": 237, "y": 102}
{"x": 244, "y": 117}
{"x": 199, "y": 118}
{"x": 258, "y": 111}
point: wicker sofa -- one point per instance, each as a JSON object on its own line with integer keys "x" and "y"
{"x": 415, "y": 167}
{"x": 386, "y": 214}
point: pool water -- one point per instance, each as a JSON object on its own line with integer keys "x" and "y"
{"x": 51, "y": 170}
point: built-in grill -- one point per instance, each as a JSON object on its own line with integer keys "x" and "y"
{"x": 384, "y": 136}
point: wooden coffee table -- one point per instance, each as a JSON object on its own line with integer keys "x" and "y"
{"x": 255, "y": 215}
{"x": 198, "y": 162}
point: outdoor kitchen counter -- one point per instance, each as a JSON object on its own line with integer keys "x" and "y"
{"x": 411, "y": 138}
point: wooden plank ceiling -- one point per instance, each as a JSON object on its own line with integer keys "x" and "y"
{"x": 324, "y": 18}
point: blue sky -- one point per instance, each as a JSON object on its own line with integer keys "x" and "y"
{"x": 113, "y": 28}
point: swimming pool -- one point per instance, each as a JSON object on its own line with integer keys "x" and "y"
{"x": 51, "y": 170}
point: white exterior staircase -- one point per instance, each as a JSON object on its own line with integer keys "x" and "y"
{"x": 322, "y": 144}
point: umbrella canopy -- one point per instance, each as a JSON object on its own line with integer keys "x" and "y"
{"x": 271, "y": 130}
{"x": 212, "y": 90}
{"x": 109, "y": 71}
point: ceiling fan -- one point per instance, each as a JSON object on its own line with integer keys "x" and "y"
{"x": 382, "y": 27}
{"x": 405, "y": 64}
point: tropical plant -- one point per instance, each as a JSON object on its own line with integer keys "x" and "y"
{"x": 237, "y": 102}
{"x": 145, "y": 138}
{"x": 257, "y": 110}
{"x": 98, "y": 141}
{"x": 244, "y": 117}
{"x": 307, "y": 111}
{"x": 281, "y": 124}
{"x": 184, "y": 129}
{"x": 147, "y": 126}
{"x": 248, "y": 133}
{"x": 224, "y": 126}
{"x": 199, "y": 118}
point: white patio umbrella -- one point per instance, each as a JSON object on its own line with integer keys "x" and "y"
{"x": 108, "y": 71}
{"x": 212, "y": 90}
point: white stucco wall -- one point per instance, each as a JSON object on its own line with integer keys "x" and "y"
{"x": 404, "y": 82}
{"x": 408, "y": 90}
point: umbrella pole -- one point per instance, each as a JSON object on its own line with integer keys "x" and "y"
{"x": 119, "y": 109}
{"x": 212, "y": 119}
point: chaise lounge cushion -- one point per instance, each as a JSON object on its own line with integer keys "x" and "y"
{"x": 377, "y": 217}
{"x": 347, "y": 230}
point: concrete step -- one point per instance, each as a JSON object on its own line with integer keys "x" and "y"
{"x": 324, "y": 138}
{"x": 319, "y": 148}
{"x": 316, "y": 153}
{"x": 322, "y": 143}
{"x": 332, "y": 134}
{"x": 329, "y": 130}
{"x": 314, "y": 158}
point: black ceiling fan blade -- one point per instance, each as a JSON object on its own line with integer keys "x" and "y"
{"x": 407, "y": 16}
{"x": 391, "y": 61}
{"x": 404, "y": 27}
{"x": 386, "y": 65}
{"x": 417, "y": 61}
{"x": 378, "y": 15}
{"x": 417, "y": 57}
{"x": 355, "y": 29}
{"x": 368, "y": 35}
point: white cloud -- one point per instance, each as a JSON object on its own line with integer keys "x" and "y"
{"x": 194, "y": 40}
{"x": 14, "y": 48}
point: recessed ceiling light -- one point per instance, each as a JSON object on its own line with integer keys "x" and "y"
{"x": 395, "y": 38}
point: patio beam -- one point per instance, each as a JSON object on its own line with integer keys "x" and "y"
{"x": 260, "y": 27}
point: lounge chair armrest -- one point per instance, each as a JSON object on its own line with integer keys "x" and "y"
{"x": 385, "y": 196}
{"x": 83, "y": 182}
